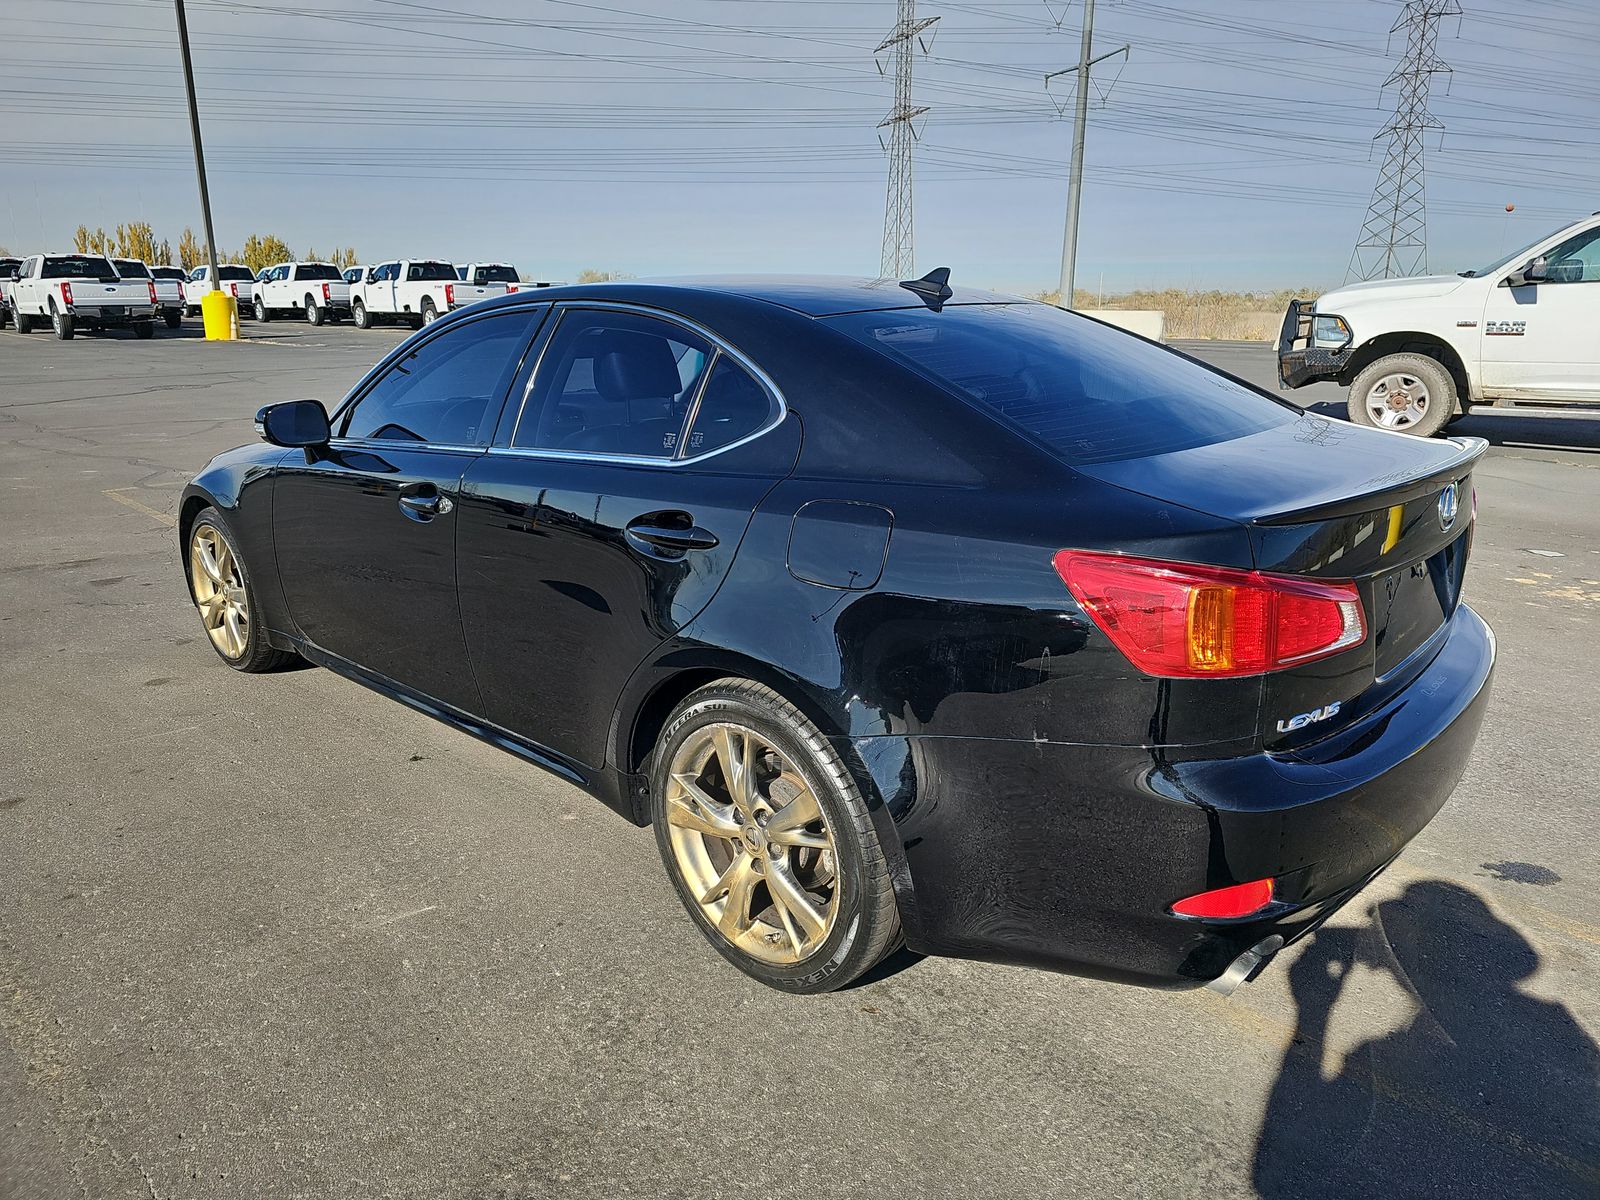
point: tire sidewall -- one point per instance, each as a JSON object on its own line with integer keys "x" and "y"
{"x": 256, "y": 648}
{"x": 359, "y": 314}
{"x": 1441, "y": 392}
{"x": 822, "y": 969}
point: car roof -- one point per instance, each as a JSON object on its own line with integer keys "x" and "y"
{"x": 812, "y": 295}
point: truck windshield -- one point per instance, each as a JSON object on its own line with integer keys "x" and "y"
{"x": 1089, "y": 393}
{"x": 79, "y": 266}
{"x": 235, "y": 274}
{"x": 430, "y": 272}
{"x": 1500, "y": 264}
{"x": 317, "y": 271}
{"x": 131, "y": 268}
{"x": 495, "y": 274}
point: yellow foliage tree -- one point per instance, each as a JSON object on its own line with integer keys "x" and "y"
{"x": 136, "y": 239}
{"x": 345, "y": 257}
{"x": 592, "y": 275}
{"x": 190, "y": 252}
{"x": 97, "y": 241}
{"x": 265, "y": 250}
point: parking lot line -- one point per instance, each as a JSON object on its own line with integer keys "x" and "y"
{"x": 166, "y": 519}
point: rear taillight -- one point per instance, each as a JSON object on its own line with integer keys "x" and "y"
{"x": 326, "y": 295}
{"x": 450, "y": 295}
{"x": 1181, "y": 620}
{"x": 510, "y": 287}
{"x": 233, "y": 290}
{"x": 66, "y": 293}
{"x": 1240, "y": 900}
{"x": 153, "y": 297}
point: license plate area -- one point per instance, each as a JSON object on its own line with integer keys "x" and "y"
{"x": 1411, "y": 603}
{"x": 112, "y": 310}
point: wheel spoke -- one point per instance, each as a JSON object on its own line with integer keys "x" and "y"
{"x": 741, "y": 879}
{"x": 235, "y": 628}
{"x": 787, "y": 894}
{"x": 696, "y": 810}
{"x": 212, "y": 609}
{"x": 736, "y": 765}
{"x": 208, "y": 561}
{"x": 787, "y": 825}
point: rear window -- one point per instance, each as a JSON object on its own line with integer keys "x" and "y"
{"x": 317, "y": 271}
{"x": 131, "y": 268}
{"x": 495, "y": 274}
{"x": 236, "y": 274}
{"x": 166, "y": 272}
{"x": 1089, "y": 393}
{"x": 431, "y": 271}
{"x": 79, "y": 266}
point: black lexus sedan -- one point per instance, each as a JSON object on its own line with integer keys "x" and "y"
{"x": 903, "y": 614}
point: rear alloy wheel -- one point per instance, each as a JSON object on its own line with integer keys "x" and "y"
{"x": 358, "y": 314}
{"x": 263, "y": 313}
{"x": 224, "y": 597}
{"x": 1408, "y": 393}
{"x": 429, "y": 313}
{"x": 769, "y": 842}
{"x": 314, "y": 314}
{"x": 62, "y": 324}
{"x": 23, "y": 320}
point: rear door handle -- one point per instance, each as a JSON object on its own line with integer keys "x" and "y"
{"x": 671, "y": 531}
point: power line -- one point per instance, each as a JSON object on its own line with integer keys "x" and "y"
{"x": 1394, "y": 237}
{"x": 898, "y": 260}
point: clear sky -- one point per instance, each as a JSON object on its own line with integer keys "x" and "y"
{"x": 686, "y": 136}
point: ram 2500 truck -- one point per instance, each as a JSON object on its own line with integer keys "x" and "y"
{"x": 1417, "y": 353}
{"x": 415, "y": 290}
{"x": 72, "y": 290}
{"x": 314, "y": 288}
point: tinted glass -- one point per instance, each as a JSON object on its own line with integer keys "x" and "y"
{"x": 317, "y": 271}
{"x": 236, "y": 274}
{"x": 613, "y": 383}
{"x": 79, "y": 266}
{"x": 495, "y": 275}
{"x": 352, "y": 275}
{"x": 431, "y": 272}
{"x": 131, "y": 268}
{"x": 167, "y": 272}
{"x": 732, "y": 406}
{"x": 1576, "y": 260}
{"x": 448, "y": 389}
{"x": 1088, "y": 392}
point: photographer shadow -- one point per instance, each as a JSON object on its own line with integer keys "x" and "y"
{"x": 1486, "y": 1091}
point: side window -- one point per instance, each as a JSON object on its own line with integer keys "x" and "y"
{"x": 1576, "y": 260}
{"x": 447, "y": 391}
{"x": 732, "y": 406}
{"x": 613, "y": 383}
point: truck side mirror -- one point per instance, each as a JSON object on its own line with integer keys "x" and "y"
{"x": 1537, "y": 271}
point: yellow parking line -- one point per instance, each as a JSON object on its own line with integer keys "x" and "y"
{"x": 166, "y": 519}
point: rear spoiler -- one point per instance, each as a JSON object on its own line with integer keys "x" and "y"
{"x": 1398, "y": 488}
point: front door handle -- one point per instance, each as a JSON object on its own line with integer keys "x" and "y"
{"x": 422, "y": 501}
{"x": 670, "y": 531}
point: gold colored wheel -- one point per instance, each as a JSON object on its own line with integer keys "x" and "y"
{"x": 750, "y": 841}
{"x": 219, "y": 591}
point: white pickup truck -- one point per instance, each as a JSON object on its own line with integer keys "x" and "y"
{"x": 1416, "y": 353}
{"x": 499, "y": 278}
{"x": 69, "y": 290}
{"x": 172, "y": 304}
{"x": 169, "y": 292}
{"x": 233, "y": 278}
{"x": 8, "y": 267}
{"x": 314, "y": 288}
{"x": 414, "y": 290}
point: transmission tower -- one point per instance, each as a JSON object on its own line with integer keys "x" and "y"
{"x": 1394, "y": 236}
{"x": 904, "y": 40}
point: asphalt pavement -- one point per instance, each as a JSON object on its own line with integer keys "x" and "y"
{"x": 277, "y": 936}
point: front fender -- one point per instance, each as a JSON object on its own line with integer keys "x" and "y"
{"x": 238, "y": 484}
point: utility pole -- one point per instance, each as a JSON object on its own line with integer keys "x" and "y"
{"x": 221, "y": 319}
{"x": 1394, "y": 237}
{"x": 899, "y": 254}
{"x": 1080, "y": 125}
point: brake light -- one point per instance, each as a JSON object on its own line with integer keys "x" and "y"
{"x": 1180, "y": 620}
{"x": 450, "y": 295}
{"x": 510, "y": 287}
{"x": 66, "y": 293}
{"x": 233, "y": 290}
{"x": 153, "y": 297}
{"x": 1240, "y": 900}
{"x": 326, "y": 298}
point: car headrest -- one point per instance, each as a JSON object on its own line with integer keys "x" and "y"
{"x": 634, "y": 366}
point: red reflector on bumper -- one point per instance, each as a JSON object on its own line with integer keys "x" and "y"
{"x": 1240, "y": 900}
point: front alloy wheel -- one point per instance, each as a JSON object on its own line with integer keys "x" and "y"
{"x": 222, "y": 593}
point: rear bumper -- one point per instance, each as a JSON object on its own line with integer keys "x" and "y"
{"x": 1299, "y": 361}
{"x": 1068, "y": 857}
{"x": 114, "y": 315}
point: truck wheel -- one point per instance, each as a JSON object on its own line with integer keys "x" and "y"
{"x": 62, "y": 323}
{"x": 263, "y": 313}
{"x": 429, "y": 313}
{"x": 358, "y": 313}
{"x": 1406, "y": 393}
{"x": 24, "y": 321}
{"x": 313, "y": 313}
{"x": 5, "y": 315}
{"x": 173, "y": 318}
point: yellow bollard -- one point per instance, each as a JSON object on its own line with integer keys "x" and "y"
{"x": 220, "y": 312}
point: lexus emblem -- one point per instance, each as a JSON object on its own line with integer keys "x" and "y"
{"x": 1449, "y": 502}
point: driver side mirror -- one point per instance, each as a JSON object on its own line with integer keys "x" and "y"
{"x": 1537, "y": 271}
{"x": 16, "y": 274}
{"x": 302, "y": 423}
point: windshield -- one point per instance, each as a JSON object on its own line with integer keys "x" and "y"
{"x": 236, "y": 274}
{"x": 317, "y": 271}
{"x": 131, "y": 268}
{"x": 431, "y": 272}
{"x": 1500, "y": 264}
{"x": 494, "y": 273}
{"x": 1090, "y": 393}
{"x": 79, "y": 266}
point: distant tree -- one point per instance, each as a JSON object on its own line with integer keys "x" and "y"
{"x": 190, "y": 252}
{"x": 163, "y": 253}
{"x": 136, "y": 239}
{"x": 85, "y": 241}
{"x": 591, "y": 275}
{"x": 311, "y": 255}
{"x": 264, "y": 250}
{"x": 345, "y": 257}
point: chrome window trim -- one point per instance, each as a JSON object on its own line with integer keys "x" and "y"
{"x": 719, "y": 347}
{"x": 340, "y": 443}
